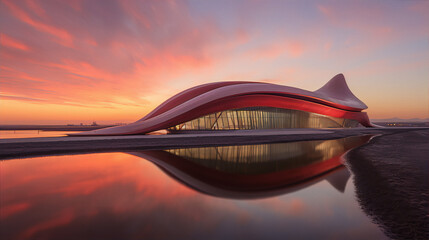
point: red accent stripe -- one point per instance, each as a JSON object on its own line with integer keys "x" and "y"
{"x": 187, "y": 95}
{"x": 196, "y": 91}
{"x": 261, "y": 100}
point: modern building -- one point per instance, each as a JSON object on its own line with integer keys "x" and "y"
{"x": 251, "y": 105}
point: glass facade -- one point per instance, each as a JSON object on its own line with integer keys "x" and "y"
{"x": 263, "y": 118}
{"x": 266, "y": 158}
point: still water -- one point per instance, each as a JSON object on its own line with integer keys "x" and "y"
{"x": 32, "y": 133}
{"x": 298, "y": 190}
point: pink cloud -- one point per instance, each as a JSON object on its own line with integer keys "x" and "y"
{"x": 104, "y": 68}
{"x": 13, "y": 43}
{"x": 295, "y": 49}
{"x": 137, "y": 53}
{"x": 366, "y": 28}
{"x": 63, "y": 36}
{"x": 288, "y": 48}
{"x": 357, "y": 17}
{"x": 75, "y": 4}
{"x": 36, "y": 8}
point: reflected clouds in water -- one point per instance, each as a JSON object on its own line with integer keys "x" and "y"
{"x": 116, "y": 195}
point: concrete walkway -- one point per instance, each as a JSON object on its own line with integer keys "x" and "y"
{"x": 31, "y": 147}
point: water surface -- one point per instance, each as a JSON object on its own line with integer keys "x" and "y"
{"x": 270, "y": 191}
{"x": 32, "y": 133}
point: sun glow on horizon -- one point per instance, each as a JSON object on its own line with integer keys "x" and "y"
{"x": 113, "y": 62}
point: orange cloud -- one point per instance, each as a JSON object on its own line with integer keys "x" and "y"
{"x": 120, "y": 68}
{"x": 107, "y": 70}
{"x": 124, "y": 54}
{"x": 295, "y": 49}
{"x": 63, "y": 36}
{"x": 13, "y": 43}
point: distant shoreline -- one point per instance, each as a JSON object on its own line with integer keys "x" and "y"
{"x": 53, "y": 127}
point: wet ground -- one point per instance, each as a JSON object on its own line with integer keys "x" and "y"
{"x": 391, "y": 176}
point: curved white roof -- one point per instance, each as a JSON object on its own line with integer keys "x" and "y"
{"x": 335, "y": 93}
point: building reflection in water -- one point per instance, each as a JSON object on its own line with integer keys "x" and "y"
{"x": 119, "y": 196}
{"x": 254, "y": 171}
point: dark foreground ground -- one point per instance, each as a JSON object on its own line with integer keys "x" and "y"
{"x": 391, "y": 176}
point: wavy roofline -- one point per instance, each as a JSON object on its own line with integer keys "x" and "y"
{"x": 333, "y": 99}
{"x": 334, "y": 93}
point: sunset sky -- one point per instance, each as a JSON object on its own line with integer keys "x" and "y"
{"x": 114, "y": 61}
